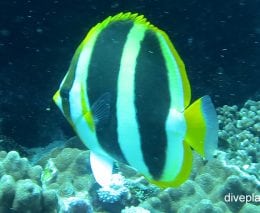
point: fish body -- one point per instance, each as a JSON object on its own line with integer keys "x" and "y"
{"x": 127, "y": 96}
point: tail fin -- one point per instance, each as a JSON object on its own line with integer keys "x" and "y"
{"x": 202, "y": 126}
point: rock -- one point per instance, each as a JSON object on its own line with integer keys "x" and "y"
{"x": 50, "y": 201}
{"x": 27, "y": 197}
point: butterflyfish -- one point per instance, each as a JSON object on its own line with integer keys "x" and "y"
{"x": 127, "y": 96}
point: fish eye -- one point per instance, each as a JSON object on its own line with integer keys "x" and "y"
{"x": 64, "y": 93}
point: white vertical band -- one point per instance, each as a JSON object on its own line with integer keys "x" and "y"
{"x": 127, "y": 127}
{"x": 174, "y": 75}
{"x": 80, "y": 85}
{"x": 175, "y": 126}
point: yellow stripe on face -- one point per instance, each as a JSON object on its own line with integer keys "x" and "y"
{"x": 90, "y": 121}
{"x": 86, "y": 111}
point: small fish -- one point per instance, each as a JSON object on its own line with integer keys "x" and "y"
{"x": 127, "y": 96}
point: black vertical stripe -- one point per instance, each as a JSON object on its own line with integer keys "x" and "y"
{"x": 103, "y": 77}
{"x": 66, "y": 87}
{"x": 152, "y": 101}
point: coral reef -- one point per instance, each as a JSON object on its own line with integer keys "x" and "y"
{"x": 61, "y": 186}
{"x": 239, "y": 136}
{"x": 123, "y": 192}
{"x": 117, "y": 191}
{"x": 60, "y": 179}
{"x": 20, "y": 186}
{"x": 208, "y": 190}
{"x": 68, "y": 173}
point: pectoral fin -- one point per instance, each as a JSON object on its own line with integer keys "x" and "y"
{"x": 101, "y": 109}
{"x": 102, "y": 168}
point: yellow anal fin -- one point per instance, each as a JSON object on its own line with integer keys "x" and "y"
{"x": 202, "y": 126}
{"x": 184, "y": 172}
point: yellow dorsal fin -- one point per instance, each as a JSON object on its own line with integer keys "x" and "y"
{"x": 135, "y": 17}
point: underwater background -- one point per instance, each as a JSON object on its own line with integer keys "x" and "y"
{"x": 44, "y": 169}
